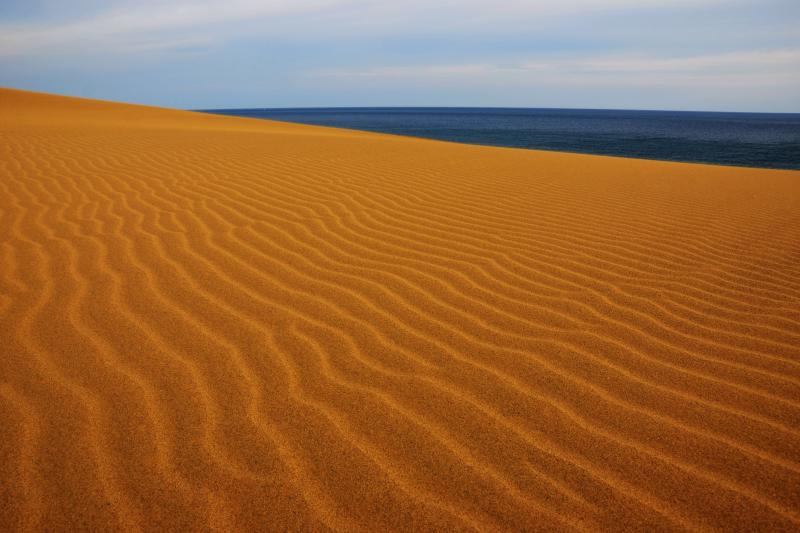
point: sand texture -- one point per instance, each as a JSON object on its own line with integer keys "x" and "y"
{"x": 216, "y": 323}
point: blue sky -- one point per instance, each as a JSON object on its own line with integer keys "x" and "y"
{"x": 737, "y": 55}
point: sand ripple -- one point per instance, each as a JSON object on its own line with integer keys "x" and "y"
{"x": 218, "y": 323}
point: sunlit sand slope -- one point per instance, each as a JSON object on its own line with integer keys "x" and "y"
{"x": 231, "y": 324}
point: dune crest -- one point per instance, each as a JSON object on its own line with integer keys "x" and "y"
{"x": 210, "y": 322}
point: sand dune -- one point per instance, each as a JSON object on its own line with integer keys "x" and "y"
{"x": 219, "y": 323}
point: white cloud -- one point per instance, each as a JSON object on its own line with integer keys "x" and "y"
{"x": 146, "y": 25}
{"x": 736, "y": 62}
{"x": 409, "y": 71}
{"x": 149, "y": 23}
{"x": 747, "y": 68}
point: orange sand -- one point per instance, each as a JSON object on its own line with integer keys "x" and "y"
{"x": 232, "y": 324}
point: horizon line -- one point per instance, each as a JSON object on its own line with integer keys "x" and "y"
{"x": 311, "y": 108}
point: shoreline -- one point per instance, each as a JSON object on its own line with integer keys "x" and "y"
{"x": 526, "y": 129}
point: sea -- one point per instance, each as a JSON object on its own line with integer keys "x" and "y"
{"x": 769, "y": 140}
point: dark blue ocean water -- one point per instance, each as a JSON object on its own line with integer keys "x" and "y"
{"x": 743, "y": 139}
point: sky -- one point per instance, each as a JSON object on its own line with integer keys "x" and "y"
{"x": 715, "y": 55}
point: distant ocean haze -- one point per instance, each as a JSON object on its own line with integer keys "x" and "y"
{"x": 767, "y": 140}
